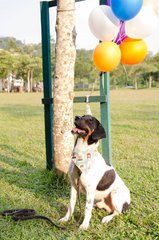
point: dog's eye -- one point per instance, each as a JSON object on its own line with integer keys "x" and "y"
{"x": 90, "y": 120}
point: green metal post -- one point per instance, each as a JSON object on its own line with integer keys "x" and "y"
{"x": 105, "y": 111}
{"x": 105, "y": 117}
{"x": 47, "y": 100}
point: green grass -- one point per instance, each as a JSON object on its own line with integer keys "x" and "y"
{"x": 26, "y": 184}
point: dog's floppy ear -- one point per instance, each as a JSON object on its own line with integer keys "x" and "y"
{"x": 99, "y": 133}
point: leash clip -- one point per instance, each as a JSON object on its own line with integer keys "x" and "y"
{"x": 87, "y": 99}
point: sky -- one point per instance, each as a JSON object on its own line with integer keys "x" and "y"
{"x": 21, "y": 19}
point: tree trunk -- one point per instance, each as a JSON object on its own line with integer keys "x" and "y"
{"x": 64, "y": 84}
{"x": 114, "y": 84}
{"x": 31, "y": 80}
{"x": 28, "y": 81}
{"x": 150, "y": 81}
{"x": 135, "y": 83}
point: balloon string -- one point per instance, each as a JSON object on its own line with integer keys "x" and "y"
{"x": 121, "y": 34}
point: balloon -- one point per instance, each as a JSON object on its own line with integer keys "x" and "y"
{"x": 153, "y": 4}
{"x": 143, "y": 25}
{"x": 106, "y": 56}
{"x": 103, "y": 24}
{"x": 133, "y": 51}
{"x": 126, "y": 9}
{"x": 108, "y": 2}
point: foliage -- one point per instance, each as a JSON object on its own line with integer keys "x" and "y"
{"x": 85, "y": 72}
{"x": 26, "y": 183}
{"x": 129, "y": 74}
{"x": 6, "y": 41}
{"x": 122, "y": 76}
{"x": 19, "y": 58}
{"x": 6, "y": 63}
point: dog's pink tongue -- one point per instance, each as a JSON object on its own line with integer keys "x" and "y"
{"x": 77, "y": 130}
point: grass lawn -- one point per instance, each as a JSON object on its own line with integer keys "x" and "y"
{"x": 25, "y": 183}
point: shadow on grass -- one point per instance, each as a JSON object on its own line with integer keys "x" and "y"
{"x": 11, "y": 150}
{"x": 44, "y": 184}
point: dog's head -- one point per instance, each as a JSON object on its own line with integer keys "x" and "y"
{"x": 89, "y": 128}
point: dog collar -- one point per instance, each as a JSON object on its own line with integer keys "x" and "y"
{"x": 83, "y": 159}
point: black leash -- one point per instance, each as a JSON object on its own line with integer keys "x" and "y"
{"x": 27, "y": 214}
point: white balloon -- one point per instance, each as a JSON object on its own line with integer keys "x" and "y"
{"x": 103, "y": 23}
{"x": 143, "y": 25}
{"x": 153, "y": 4}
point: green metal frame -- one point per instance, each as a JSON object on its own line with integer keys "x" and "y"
{"x": 103, "y": 99}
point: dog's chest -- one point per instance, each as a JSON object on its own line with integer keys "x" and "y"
{"x": 88, "y": 161}
{"x": 84, "y": 155}
{"x": 83, "y": 158}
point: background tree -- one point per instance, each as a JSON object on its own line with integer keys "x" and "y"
{"x": 6, "y": 65}
{"x": 21, "y": 60}
{"x": 119, "y": 77}
{"x": 85, "y": 72}
{"x": 149, "y": 69}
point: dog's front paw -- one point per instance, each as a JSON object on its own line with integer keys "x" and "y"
{"x": 107, "y": 219}
{"x": 84, "y": 226}
{"x": 64, "y": 219}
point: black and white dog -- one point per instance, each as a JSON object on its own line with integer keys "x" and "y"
{"x": 102, "y": 185}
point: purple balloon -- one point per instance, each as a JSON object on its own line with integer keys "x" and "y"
{"x": 121, "y": 34}
{"x": 108, "y": 2}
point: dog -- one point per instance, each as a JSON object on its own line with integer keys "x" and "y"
{"x": 102, "y": 185}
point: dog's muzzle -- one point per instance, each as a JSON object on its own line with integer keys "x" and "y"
{"x": 79, "y": 129}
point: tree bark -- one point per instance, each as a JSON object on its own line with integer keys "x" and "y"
{"x": 64, "y": 84}
{"x": 149, "y": 81}
{"x": 135, "y": 83}
{"x": 31, "y": 80}
{"x": 28, "y": 81}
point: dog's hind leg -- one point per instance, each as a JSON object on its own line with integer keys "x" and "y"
{"x": 111, "y": 202}
{"x": 119, "y": 202}
{"x": 102, "y": 205}
{"x": 72, "y": 204}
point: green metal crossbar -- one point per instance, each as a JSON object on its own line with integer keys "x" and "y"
{"x": 104, "y": 98}
{"x": 101, "y": 99}
{"x": 54, "y": 3}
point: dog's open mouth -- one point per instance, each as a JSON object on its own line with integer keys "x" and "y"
{"x": 78, "y": 131}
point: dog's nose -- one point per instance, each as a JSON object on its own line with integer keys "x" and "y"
{"x": 77, "y": 118}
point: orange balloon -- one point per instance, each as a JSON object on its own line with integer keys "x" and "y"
{"x": 133, "y": 51}
{"x": 106, "y": 56}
